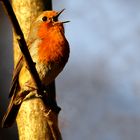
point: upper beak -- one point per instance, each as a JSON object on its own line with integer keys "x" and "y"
{"x": 59, "y": 13}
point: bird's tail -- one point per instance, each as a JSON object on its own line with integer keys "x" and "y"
{"x": 11, "y": 114}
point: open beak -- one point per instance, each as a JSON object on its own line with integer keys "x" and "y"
{"x": 59, "y": 13}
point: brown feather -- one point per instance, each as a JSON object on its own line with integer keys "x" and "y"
{"x": 14, "y": 84}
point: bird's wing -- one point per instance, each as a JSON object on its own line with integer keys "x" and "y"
{"x": 14, "y": 84}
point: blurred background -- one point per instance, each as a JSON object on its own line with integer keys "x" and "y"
{"x": 99, "y": 90}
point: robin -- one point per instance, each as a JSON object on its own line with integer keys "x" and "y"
{"x": 49, "y": 50}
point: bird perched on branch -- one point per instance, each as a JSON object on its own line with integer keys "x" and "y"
{"x": 49, "y": 50}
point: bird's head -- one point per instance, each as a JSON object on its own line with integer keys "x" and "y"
{"x": 47, "y": 23}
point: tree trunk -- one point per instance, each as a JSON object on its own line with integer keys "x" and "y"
{"x": 35, "y": 121}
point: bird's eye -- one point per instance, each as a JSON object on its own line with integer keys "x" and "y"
{"x": 55, "y": 19}
{"x": 44, "y": 18}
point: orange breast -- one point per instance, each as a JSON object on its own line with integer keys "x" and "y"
{"x": 54, "y": 45}
{"x": 52, "y": 49}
